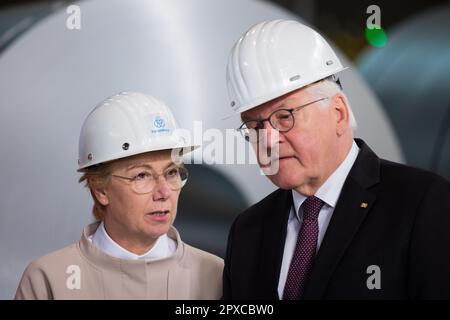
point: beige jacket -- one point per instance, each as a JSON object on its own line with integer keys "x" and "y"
{"x": 82, "y": 271}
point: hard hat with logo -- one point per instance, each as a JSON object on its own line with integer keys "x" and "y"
{"x": 274, "y": 58}
{"x": 127, "y": 124}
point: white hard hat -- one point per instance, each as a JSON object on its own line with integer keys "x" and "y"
{"x": 276, "y": 57}
{"x": 127, "y": 124}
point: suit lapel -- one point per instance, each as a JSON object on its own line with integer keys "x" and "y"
{"x": 272, "y": 244}
{"x": 355, "y": 202}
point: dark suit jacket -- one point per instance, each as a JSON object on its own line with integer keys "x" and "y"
{"x": 404, "y": 230}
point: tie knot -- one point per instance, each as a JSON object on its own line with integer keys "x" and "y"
{"x": 311, "y": 208}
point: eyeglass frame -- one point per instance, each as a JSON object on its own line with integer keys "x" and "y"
{"x": 260, "y": 123}
{"x": 156, "y": 177}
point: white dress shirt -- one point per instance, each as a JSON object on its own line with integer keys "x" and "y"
{"x": 329, "y": 193}
{"x": 163, "y": 247}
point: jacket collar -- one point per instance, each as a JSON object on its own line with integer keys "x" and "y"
{"x": 105, "y": 261}
{"x": 276, "y": 215}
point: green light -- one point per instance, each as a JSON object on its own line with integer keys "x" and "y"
{"x": 376, "y": 36}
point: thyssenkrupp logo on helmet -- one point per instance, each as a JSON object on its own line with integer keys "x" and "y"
{"x": 160, "y": 125}
{"x": 159, "y": 122}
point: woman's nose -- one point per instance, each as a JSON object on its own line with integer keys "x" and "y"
{"x": 162, "y": 189}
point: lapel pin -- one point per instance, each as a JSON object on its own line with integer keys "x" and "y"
{"x": 363, "y": 205}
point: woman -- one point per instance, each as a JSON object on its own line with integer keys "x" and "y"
{"x": 130, "y": 157}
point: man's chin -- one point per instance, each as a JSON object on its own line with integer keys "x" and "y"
{"x": 283, "y": 182}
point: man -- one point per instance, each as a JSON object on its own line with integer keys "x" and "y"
{"x": 343, "y": 224}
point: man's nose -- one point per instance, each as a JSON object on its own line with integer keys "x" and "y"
{"x": 270, "y": 135}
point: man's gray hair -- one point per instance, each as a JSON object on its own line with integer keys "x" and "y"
{"x": 329, "y": 88}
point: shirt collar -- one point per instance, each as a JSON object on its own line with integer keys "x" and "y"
{"x": 162, "y": 248}
{"x": 330, "y": 190}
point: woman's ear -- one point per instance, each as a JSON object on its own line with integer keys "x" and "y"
{"x": 99, "y": 193}
{"x": 101, "y": 196}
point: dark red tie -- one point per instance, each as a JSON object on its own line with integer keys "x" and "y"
{"x": 305, "y": 250}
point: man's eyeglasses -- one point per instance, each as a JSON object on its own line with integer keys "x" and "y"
{"x": 282, "y": 120}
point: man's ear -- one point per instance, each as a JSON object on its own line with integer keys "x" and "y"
{"x": 100, "y": 195}
{"x": 342, "y": 114}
